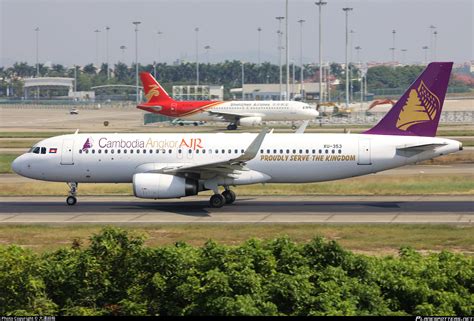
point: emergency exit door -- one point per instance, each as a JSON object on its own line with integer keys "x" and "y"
{"x": 364, "y": 152}
{"x": 67, "y": 152}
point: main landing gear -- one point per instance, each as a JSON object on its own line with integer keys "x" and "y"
{"x": 218, "y": 200}
{"x": 71, "y": 199}
{"x": 232, "y": 126}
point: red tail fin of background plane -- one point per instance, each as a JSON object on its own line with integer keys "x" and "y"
{"x": 154, "y": 93}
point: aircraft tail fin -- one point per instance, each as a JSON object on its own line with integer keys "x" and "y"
{"x": 418, "y": 111}
{"x": 154, "y": 93}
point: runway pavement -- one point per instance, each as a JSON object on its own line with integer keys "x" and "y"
{"x": 268, "y": 209}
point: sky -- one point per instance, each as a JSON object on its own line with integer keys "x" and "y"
{"x": 66, "y": 30}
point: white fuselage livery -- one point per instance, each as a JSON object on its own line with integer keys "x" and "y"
{"x": 281, "y": 158}
{"x": 253, "y": 112}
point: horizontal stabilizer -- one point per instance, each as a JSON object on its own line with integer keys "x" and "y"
{"x": 419, "y": 147}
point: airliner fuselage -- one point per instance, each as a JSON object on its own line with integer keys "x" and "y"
{"x": 282, "y": 158}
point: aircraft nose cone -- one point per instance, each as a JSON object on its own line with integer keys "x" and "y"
{"x": 19, "y": 164}
{"x": 16, "y": 165}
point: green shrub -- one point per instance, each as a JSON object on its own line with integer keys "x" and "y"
{"x": 117, "y": 275}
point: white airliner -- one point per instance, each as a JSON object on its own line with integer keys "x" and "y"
{"x": 245, "y": 113}
{"x": 164, "y": 166}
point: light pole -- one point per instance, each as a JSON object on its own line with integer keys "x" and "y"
{"x": 293, "y": 80}
{"x": 301, "y": 21}
{"x": 107, "y": 50}
{"x": 346, "y": 10}
{"x": 243, "y": 79}
{"x": 431, "y": 30}
{"x": 97, "y": 31}
{"x": 37, "y": 29}
{"x": 136, "y": 23}
{"x": 351, "y": 37}
{"x": 404, "y": 55}
{"x": 320, "y": 4}
{"x": 208, "y": 48}
{"x": 158, "y": 34}
{"x": 393, "y": 46}
{"x": 259, "y": 31}
{"x": 435, "y": 33}
{"x": 287, "y": 48}
{"x": 197, "y": 55}
{"x": 425, "y": 48}
{"x": 279, "y": 32}
{"x": 75, "y": 78}
{"x": 122, "y": 47}
{"x": 358, "y": 48}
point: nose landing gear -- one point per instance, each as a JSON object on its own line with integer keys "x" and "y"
{"x": 71, "y": 199}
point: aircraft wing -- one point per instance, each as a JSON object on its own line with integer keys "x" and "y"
{"x": 223, "y": 167}
{"x": 230, "y": 117}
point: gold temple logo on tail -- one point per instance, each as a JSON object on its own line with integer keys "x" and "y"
{"x": 421, "y": 106}
{"x": 152, "y": 92}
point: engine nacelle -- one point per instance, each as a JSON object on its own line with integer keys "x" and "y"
{"x": 150, "y": 185}
{"x": 250, "y": 121}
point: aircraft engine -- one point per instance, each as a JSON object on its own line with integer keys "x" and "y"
{"x": 250, "y": 121}
{"x": 151, "y": 185}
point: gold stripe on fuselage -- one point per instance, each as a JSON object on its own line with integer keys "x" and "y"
{"x": 200, "y": 109}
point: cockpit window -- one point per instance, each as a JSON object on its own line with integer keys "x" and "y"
{"x": 36, "y": 150}
{"x": 43, "y": 150}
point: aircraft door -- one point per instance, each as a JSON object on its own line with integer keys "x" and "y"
{"x": 174, "y": 109}
{"x": 67, "y": 152}
{"x": 364, "y": 152}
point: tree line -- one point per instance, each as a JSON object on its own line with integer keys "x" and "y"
{"x": 116, "y": 274}
{"x": 227, "y": 73}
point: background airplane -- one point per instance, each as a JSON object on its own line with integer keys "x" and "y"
{"x": 245, "y": 113}
{"x": 177, "y": 165}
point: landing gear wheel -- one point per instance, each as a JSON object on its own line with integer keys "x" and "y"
{"x": 293, "y": 126}
{"x": 232, "y": 127}
{"x": 71, "y": 200}
{"x": 229, "y": 196}
{"x": 217, "y": 201}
